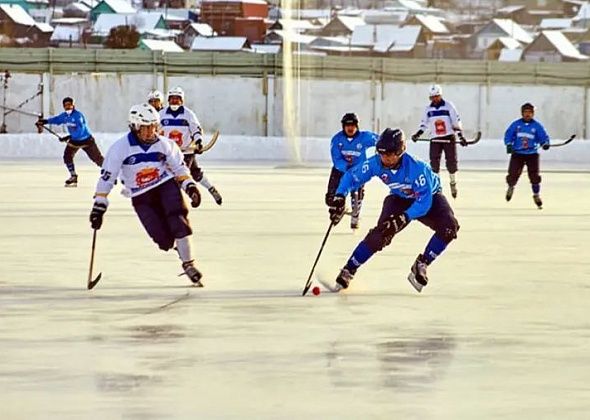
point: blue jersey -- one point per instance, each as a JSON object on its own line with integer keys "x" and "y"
{"x": 413, "y": 179}
{"x": 349, "y": 151}
{"x": 75, "y": 123}
{"x": 526, "y": 137}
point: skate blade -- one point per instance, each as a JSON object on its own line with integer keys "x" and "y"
{"x": 414, "y": 282}
{"x": 71, "y": 185}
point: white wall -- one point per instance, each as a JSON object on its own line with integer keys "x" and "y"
{"x": 239, "y": 106}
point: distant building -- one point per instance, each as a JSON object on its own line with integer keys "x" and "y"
{"x": 111, "y": 6}
{"x": 553, "y": 47}
{"x": 236, "y": 17}
{"x": 221, "y": 43}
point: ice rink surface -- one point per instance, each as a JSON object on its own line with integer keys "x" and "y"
{"x": 501, "y": 331}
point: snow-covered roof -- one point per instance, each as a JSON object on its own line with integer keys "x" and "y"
{"x": 369, "y": 35}
{"x": 382, "y": 16}
{"x": 160, "y": 45}
{"x": 17, "y": 14}
{"x": 237, "y": 1}
{"x": 203, "y": 29}
{"x": 563, "y": 45}
{"x": 433, "y": 24}
{"x": 295, "y": 38}
{"x": 119, "y": 6}
{"x": 509, "y": 43}
{"x": 330, "y": 41}
{"x": 399, "y": 40}
{"x": 64, "y": 32}
{"x": 162, "y": 34}
{"x": 583, "y": 13}
{"x": 219, "y": 43}
{"x": 142, "y": 21}
{"x": 510, "y": 9}
{"x": 513, "y": 30}
{"x": 266, "y": 48}
{"x": 350, "y": 22}
{"x": 551, "y": 23}
{"x": 68, "y": 21}
{"x": 78, "y": 6}
{"x": 44, "y": 27}
{"x": 507, "y": 54}
{"x": 297, "y": 24}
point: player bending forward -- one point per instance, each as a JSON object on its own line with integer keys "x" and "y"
{"x": 152, "y": 168}
{"x": 415, "y": 194}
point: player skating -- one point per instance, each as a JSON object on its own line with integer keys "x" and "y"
{"x": 522, "y": 139}
{"x": 348, "y": 147}
{"x": 156, "y": 99}
{"x": 79, "y": 138}
{"x": 442, "y": 120}
{"x": 415, "y": 194}
{"x": 152, "y": 168}
{"x": 180, "y": 124}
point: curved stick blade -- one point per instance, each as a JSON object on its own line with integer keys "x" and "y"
{"x": 93, "y": 283}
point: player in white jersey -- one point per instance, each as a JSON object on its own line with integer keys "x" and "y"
{"x": 156, "y": 99}
{"x": 180, "y": 124}
{"x": 152, "y": 168}
{"x": 442, "y": 120}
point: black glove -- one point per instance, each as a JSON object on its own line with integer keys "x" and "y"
{"x": 41, "y": 121}
{"x": 336, "y": 210}
{"x": 509, "y": 149}
{"x": 194, "y": 194}
{"x": 98, "y": 211}
{"x": 546, "y": 146}
{"x": 198, "y": 146}
{"x": 417, "y": 135}
{"x": 462, "y": 140}
{"x": 394, "y": 224}
{"x": 65, "y": 139}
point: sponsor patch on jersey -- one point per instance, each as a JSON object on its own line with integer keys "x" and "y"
{"x": 146, "y": 176}
{"x": 384, "y": 178}
{"x": 359, "y": 146}
{"x": 176, "y": 136}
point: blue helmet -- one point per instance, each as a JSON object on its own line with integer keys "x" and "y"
{"x": 392, "y": 140}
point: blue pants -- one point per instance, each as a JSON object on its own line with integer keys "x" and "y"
{"x": 440, "y": 218}
{"x": 163, "y": 214}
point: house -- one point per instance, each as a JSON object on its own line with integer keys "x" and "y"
{"x": 406, "y": 42}
{"x": 341, "y": 26}
{"x": 221, "y": 43}
{"x": 222, "y": 15}
{"x": 553, "y": 47}
{"x": 296, "y": 25}
{"x": 495, "y": 29}
{"x": 570, "y": 8}
{"x": 495, "y": 49}
{"x": 551, "y": 23}
{"x": 66, "y": 35}
{"x": 194, "y": 30}
{"x": 431, "y": 25}
{"x": 518, "y": 13}
{"x": 17, "y": 24}
{"x": 159, "y": 45}
{"x": 111, "y": 7}
{"x": 508, "y": 55}
{"x": 77, "y": 10}
{"x": 582, "y": 18}
{"x": 178, "y": 18}
{"x": 142, "y": 21}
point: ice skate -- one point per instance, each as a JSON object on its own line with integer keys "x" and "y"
{"x": 192, "y": 273}
{"x": 216, "y": 196}
{"x": 538, "y": 201}
{"x": 509, "y": 193}
{"x": 453, "y": 189}
{"x": 344, "y": 279}
{"x": 418, "y": 276}
{"x": 71, "y": 182}
{"x": 354, "y": 222}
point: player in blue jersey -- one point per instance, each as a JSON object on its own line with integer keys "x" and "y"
{"x": 415, "y": 194}
{"x": 79, "y": 138}
{"x": 349, "y": 147}
{"x": 522, "y": 139}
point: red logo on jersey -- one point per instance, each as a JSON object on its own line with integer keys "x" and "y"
{"x": 176, "y": 136}
{"x": 440, "y": 127}
{"x": 146, "y": 176}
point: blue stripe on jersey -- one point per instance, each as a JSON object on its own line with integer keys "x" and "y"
{"x": 175, "y": 122}
{"x": 439, "y": 113}
{"x": 144, "y": 157}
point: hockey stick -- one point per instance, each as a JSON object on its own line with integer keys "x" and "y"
{"x": 92, "y": 283}
{"x": 475, "y": 139}
{"x": 572, "y": 137}
{"x": 207, "y": 147}
{"x": 435, "y": 140}
{"x": 61, "y": 139}
{"x": 20, "y": 111}
{"x": 308, "y": 283}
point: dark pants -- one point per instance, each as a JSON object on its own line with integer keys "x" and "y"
{"x": 191, "y": 162}
{"x": 334, "y": 181}
{"x": 440, "y": 218}
{"x": 450, "y": 149}
{"x": 88, "y": 145}
{"x": 163, "y": 214}
{"x": 517, "y": 162}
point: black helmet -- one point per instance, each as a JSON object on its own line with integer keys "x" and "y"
{"x": 392, "y": 140}
{"x": 67, "y": 99}
{"x": 527, "y": 105}
{"x": 350, "y": 118}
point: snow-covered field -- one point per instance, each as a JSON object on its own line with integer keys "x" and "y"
{"x": 501, "y": 331}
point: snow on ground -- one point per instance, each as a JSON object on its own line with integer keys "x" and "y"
{"x": 501, "y": 331}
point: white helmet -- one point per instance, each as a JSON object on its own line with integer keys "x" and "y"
{"x": 155, "y": 94}
{"x": 434, "y": 90}
{"x": 176, "y": 91}
{"x": 143, "y": 114}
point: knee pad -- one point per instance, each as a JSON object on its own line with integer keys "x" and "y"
{"x": 376, "y": 240}
{"x": 197, "y": 173}
{"x": 449, "y": 233}
{"x": 535, "y": 179}
{"x": 164, "y": 244}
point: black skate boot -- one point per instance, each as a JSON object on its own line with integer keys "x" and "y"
{"x": 418, "y": 276}
{"x": 216, "y": 196}
{"x": 192, "y": 273}
{"x": 354, "y": 222}
{"x": 509, "y": 193}
{"x": 538, "y": 201}
{"x": 344, "y": 279}
{"x": 453, "y": 189}
{"x": 72, "y": 181}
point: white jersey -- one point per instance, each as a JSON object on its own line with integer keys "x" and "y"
{"x": 182, "y": 126}
{"x": 441, "y": 120}
{"x": 141, "y": 167}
